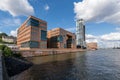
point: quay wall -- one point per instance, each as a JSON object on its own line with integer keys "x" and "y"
{"x": 44, "y": 52}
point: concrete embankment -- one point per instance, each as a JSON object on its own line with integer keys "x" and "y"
{"x": 43, "y": 52}
{"x": 1, "y": 70}
{"x": 12, "y": 66}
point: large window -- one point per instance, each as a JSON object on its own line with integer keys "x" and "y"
{"x": 33, "y": 22}
{"x": 25, "y": 44}
{"x": 34, "y": 44}
{"x": 60, "y": 38}
{"x": 30, "y": 44}
{"x": 43, "y": 35}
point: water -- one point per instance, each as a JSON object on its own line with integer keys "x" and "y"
{"x": 90, "y": 65}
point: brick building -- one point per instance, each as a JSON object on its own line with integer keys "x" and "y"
{"x": 92, "y": 46}
{"x": 60, "y": 38}
{"x": 32, "y": 34}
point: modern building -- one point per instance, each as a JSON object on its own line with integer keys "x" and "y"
{"x": 9, "y": 39}
{"x": 60, "y": 38}
{"x": 92, "y": 46}
{"x": 80, "y": 34}
{"x": 32, "y": 34}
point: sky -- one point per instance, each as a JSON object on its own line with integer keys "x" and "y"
{"x": 102, "y": 17}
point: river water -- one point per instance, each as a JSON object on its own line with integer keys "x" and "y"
{"x": 89, "y": 65}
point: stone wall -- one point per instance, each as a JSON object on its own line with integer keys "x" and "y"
{"x": 43, "y": 52}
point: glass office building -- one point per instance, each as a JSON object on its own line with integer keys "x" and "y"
{"x": 80, "y": 34}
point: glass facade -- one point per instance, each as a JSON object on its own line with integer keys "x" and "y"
{"x": 53, "y": 39}
{"x": 64, "y": 45}
{"x": 43, "y": 35}
{"x": 43, "y": 44}
{"x": 60, "y": 38}
{"x": 34, "y": 44}
{"x": 30, "y": 44}
{"x": 25, "y": 44}
{"x": 33, "y": 22}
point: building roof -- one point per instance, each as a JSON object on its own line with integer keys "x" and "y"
{"x": 32, "y": 17}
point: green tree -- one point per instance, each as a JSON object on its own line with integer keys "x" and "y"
{"x": 6, "y": 50}
{"x": 3, "y": 34}
{"x": 1, "y": 40}
{"x": 2, "y": 47}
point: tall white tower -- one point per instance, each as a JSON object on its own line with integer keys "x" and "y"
{"x": 80, "y": 34}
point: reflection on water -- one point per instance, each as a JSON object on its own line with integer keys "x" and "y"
{"x": 51, "y": 58}
{"x": 90, "y": 65}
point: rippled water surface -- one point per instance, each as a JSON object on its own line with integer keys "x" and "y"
{"x": 89, "y": 65}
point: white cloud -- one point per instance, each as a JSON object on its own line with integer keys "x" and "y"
{"x": 9, "y": 22}
{"x": 118, "y": 29}
{"x": 16, "y": 7}
{"x": 89, "y": 36}
{"x": 106, "y": 40}
{"x": 91, "y": 40}
{"x": 98, "y": 10}
{"x": 47, "y": 7}
{"x": 111, "y": 36}
{"x": 14, "y": 32}
{"x": 71, "y": 29}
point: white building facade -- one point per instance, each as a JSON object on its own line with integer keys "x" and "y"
{"x": 8, "y": 39}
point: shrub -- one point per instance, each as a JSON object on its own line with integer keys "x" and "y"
{"x": 6, "y": 50}
{"x": 2, "y": 47}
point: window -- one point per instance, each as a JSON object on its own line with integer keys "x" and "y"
{"x": 53, "y": 39}
{"x": 33, "y": 22}
{"x": 64, "y": 45}
{"x": 44, "y": 27}
{"x": 31, "y": 44}
{"x": 43, "y": 35}
{"x": 34, "y": 44}
{"x": 60, "y": 38}
{"x": 43, "y": 45}
{"x": 73, "y": 40}
{"x": 25, "y": 44}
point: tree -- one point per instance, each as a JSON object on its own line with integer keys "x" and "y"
{"x": 2, "y": 47}
{"x": 6, "y": 50}
{"x": 3, "y": 34}
{"x": 1, "y": 40}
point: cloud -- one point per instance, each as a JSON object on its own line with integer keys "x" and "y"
{"x": 10, "y": 22}
{"x": 14, "y": 32}
{"x": 118, "y": 29}
{"x": 111, "y": 36}
{"x": 98, "y": 10}
{"x": 105, "y": 41}
{"x": 16, "y": 7}
{"x": 71, "y": 29}
{"x": 47, "y": 7}
{"x": 89, "y": 36}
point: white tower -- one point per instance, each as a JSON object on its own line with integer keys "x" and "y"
{"x": 80, "y": 34}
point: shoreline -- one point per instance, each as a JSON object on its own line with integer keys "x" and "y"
{"x": 45, "y": 52}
